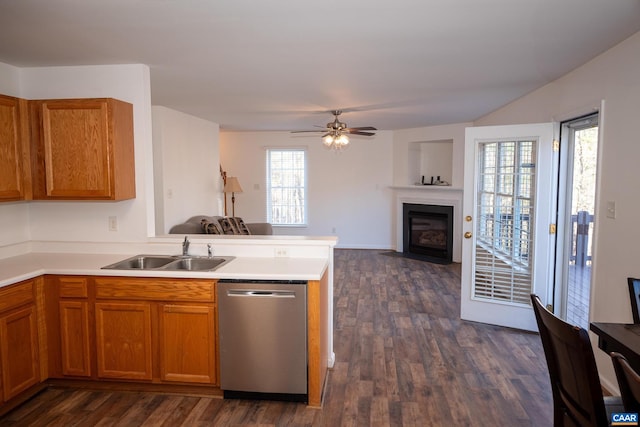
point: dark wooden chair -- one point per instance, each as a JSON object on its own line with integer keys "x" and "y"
{"x": 575, "y": 384}
{"x": 628, "y": 381}
{"x": 634, "y": 294}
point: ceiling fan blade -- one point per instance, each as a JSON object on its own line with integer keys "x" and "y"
{"x": 363, "y": 128}
{"x": 358, "y": 132}
{"x": 305, "y": 131}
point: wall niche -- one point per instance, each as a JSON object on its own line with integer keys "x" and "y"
{"x": 431, "y": 159}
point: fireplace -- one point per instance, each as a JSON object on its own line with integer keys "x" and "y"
{"x": 428, "y": 232}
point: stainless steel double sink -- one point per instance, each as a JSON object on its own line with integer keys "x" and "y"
{"x": 170, "y": 263}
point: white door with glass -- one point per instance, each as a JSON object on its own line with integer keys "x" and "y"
{"x": 508, "y": 209}
{"x": 577, "y": 201}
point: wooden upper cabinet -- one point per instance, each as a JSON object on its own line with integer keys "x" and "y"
{"x": 82, "y": 149}
{"x": 14, "y": 155}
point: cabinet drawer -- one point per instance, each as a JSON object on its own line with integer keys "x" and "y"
{"x": 73, "y": 287}
{"x": 16, "y": 295}
{"x": 155, "y": 289}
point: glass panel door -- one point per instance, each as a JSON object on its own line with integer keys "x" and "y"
{"x": 508, "y": 205}
{"x": 580, "y": 147}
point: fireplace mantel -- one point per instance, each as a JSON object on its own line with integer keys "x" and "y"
{"x": 443, "y": 195}
{"x": 426, "y": 188}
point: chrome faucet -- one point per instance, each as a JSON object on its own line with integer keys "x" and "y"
{"x": 185, "y": 246}
{"x": 209, "y": 250}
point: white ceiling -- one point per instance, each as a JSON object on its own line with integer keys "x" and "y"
{"x": 281, "y": 64}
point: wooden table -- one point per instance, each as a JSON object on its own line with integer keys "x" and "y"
{"x": 620, "y": 337}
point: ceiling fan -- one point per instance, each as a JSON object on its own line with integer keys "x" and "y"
{"x": 335, "y": 133}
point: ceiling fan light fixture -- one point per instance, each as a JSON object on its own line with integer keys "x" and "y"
{"x": 342, "y": 140}
{"x": 328, "y": 140}
{"x": 335, "y": 136}
{"x": 335, "y": 141}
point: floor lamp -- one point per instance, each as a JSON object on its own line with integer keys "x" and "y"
{"x": 232, "y": 186}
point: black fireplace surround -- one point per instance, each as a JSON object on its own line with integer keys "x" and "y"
{"x": 428, "y": 232}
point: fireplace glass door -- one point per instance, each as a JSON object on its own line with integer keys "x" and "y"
{"x": 428, "y": 232}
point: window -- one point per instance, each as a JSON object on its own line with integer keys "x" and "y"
{"x": 505, "y": 192}
{"x": 505, "y": 213}
{"x": 286, "y": 186}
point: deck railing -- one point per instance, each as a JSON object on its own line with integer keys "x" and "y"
{"x": 582, "y": 231}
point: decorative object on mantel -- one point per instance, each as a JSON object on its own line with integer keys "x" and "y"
{"x": 335, "y": 137}
{"x": 232, "y": 186}
{"x": 437, "y": 181}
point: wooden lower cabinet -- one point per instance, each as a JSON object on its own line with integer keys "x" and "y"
{"x": 70, "y": 327}
{"x": 18, "y": 351}
{"x": 159, "y": 329}
{"x": 123, "y": 340}
{"x": 147, "y": 330}
{"x": 187, "y": 343}
{"x": 74, "y": 338}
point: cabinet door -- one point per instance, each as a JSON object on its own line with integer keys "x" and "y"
{"x": 187, "y": 343}
{"x": 76, "y": 148}
{"x": 19, "y": 351}
{"x": 123, "y": 340}
{"x": 83, "y": 149}
{"x": 74, "y": 338}
{"x": 11, "y": 145}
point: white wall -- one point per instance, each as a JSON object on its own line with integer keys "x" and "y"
{"x": 88, "y": 221}
{"x": 613, "y": 77}
{"x": 348, "y": 191}
{"x": 186, "y": 168}
{"x": 9, "y": 80}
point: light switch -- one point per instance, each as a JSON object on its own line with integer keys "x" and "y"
{"x": 611, "y": 209}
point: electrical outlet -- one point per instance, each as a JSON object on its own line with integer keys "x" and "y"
{"x": 280, "y": 252}
{"x": 113, "y": 223}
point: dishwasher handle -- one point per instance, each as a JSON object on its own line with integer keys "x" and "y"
{"x": 260, "y": 293}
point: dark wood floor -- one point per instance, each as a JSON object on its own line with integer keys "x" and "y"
{"x": 403, "y": 358}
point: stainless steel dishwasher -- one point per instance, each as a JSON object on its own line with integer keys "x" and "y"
{"x": 262, "y": 327}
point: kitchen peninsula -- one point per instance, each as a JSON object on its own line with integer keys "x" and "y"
{"x": 65, "y": 320}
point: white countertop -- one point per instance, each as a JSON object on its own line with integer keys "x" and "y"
{"x": 31, "y": 265}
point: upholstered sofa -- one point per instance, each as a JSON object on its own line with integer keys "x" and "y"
{"x": 203, "y": 224}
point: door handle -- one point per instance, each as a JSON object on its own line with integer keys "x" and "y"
{"x": 467, "y": 235}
